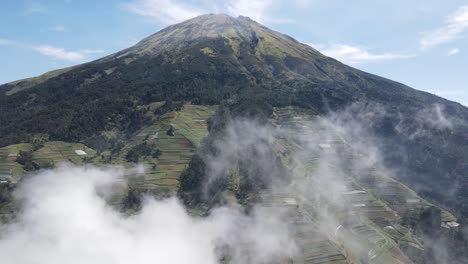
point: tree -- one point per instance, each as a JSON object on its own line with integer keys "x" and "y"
{"x": 25, "y": 158}
{"x": 134, "y": 154}
{"x": 38, "y": 140}
{"x": 156, "y": 154}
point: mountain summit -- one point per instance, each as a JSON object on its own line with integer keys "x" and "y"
{"x": 236, "y": 31}
{"x": 218, "y": 59}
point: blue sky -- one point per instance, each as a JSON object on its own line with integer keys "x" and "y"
{"x": 422, "y": 43}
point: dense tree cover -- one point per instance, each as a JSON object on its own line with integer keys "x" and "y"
{"x": 102, "y": 143}
{"x": 38, "y": 140}
{"x": 133, "y": 200}
{"x": 5, "y": 193}
{"x": 169, "y": 106}
{"x": 25, "y": 158}
{"x": 142, "y": 150}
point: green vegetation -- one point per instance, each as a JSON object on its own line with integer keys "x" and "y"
{"x": 9, "y": 168}
{"x": 143, "y": 149}
{"x": 165, "y": 157}
{"x": 55, "y": 152}
{"x": 39, "y": 140}
{"x": 17, "y": 86}
{"x": 131, "y": 107}
{"x": 248, "y": 67}
{"x": 25, "y": 158}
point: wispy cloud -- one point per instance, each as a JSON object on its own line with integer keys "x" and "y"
{"x": 92, "y": 51}
{"x": 173, "y": 11}
{"x": 58, "y": 28}
{"x": 453, "y": 51}
{"x": 355, "y": 54}
{"x": 162, "y": 231}
{"x": 165, "y": 11}
{"x": 62, "y": 54}
{"x": 455, "y": 25}
{"x": 255, "y": 9}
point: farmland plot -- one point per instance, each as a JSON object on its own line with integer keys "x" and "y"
{"x": 176, "y": 135}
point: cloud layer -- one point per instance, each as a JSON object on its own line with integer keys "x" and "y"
{"x": 65, "y": 219}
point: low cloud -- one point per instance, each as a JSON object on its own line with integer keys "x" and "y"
{"x": 65, "y": 219}
{"x": 355, "y": 54}
{"x": 435, "y": 117}
{"x": 455, "y": 25}
{"x": 59, "y": 53}
{"x": 430, "y": 119}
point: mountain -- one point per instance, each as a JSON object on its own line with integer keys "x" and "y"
{"x": 214, "y": 58}
{"x": 216, "y": 67}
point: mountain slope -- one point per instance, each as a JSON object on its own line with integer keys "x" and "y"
{"x": 214, "y": 59}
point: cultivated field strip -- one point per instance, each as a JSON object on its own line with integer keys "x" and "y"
{"x": 10, "y": 170}
{"x": 313, "y": 247}
{"x": 188, "y": 127}
{"x": 360, "y": 216}
{"x": 56, "y": 152}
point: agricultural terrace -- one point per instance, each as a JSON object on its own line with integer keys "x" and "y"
{"x": 54, "y": 153}
{"x": 9, "y": 169}
{"x": 176, "y": 135}
{"x": 313, "y": 246}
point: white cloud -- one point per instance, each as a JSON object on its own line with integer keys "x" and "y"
{"x": 58, "y": 28}
{"x": 165, "y": 11}
{"x": 455, "y": 25}
{"x": 65, "y": 219}
{"x": 255, "y": 9}
{"x": 173, "y": 11}
{"x": 453, "y": 51}
{"x": 92, "y": 51}
{"x": 354, "y": 54}
{"x": 62, "y": 54}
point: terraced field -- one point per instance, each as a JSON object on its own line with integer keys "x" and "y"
{"x": 312, "y": 245}
{"x": 176, "y": 135}
{"x": 52, "y": 154}
{"x": 56, "y": 152}
{"x": 10, "y": 170}
{"x": 397, "y": 196}
{"x": 359, "y": 215}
